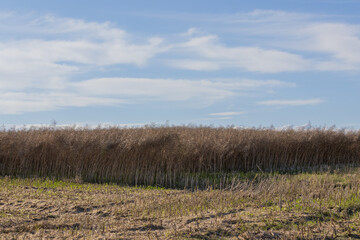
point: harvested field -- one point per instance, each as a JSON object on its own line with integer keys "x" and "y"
{"x": 323, "y": 205}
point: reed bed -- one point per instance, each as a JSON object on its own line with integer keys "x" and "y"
{"x": 174, "y": 157}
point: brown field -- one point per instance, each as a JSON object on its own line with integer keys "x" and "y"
{"x": 179, "y": 183}
{"x": 323, "y": 205}
{"x": 172, "y": 157}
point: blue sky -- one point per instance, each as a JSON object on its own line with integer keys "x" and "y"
{"x": 244, "y": 63}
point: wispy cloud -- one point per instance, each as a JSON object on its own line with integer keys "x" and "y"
{"x": 301, "y": 102}
{"x": 155, "y": 89}
{"x": 197, "y": 65}
{"x": 159, "y": 89}
{"x": 226, "y": 114}
{"x": 20, "y": 102}
{"x": 282, "y": 42}
{"x": 209, "y": 54}
{"x": 269, "y": 16}
{"x": 338, "y": 42}
{"x": 40, "y": 58}
{"x": 45, "y": 51}
{"x": 41, "y": 55}
{"x": 120, "y": 91}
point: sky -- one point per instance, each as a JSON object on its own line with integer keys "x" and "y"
{"x": 218, "y": 63}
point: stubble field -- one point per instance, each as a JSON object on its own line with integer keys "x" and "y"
{"x": 302, "y": 206}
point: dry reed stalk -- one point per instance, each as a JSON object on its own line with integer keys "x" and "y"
{"x": 170, "y": 156}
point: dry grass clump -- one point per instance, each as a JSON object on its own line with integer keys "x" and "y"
{"x": 171, "y": 156}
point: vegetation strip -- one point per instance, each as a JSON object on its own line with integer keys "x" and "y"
{"x": 172, "y": 157}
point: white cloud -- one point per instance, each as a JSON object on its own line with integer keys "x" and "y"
{"x": 226, "y": 114}
{"x": 190, "y": 32}
{"x": 155, "y": 89}
{"x": 20, "y": 102}
{"x": 40, "y": 57}
{"x": 338, "y": 42}
{"x": 209, "y": 54}
{"x": 279, "y": 41}
{"x": 171, "y": 89}
{"x": 270, "y": 16}
{"x": 198, "y": 65}
{"x": 119, "y": 91}
{"x": 45, "y": 52}
{"x": 249, "y": 84}
{"x": 300, "y": 102}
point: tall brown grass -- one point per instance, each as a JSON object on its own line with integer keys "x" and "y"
{"x": 170, "y": 156}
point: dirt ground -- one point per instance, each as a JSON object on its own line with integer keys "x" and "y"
{"x": 323, "y": 206}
